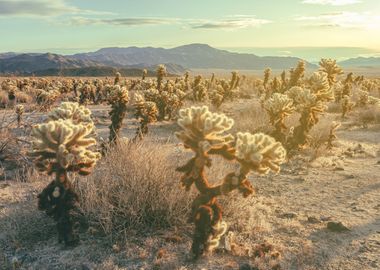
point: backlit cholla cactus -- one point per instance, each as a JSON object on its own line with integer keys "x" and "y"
{"x": 19, "y": 111}
{"x": 71, "y": 110}
{"x": 144, "y": 73}
{"x": 259, "y": 152}
{"x": 118, "y": 100}
{"x": 296, "y": 75}
{"x": 330, "y": 67}
{"x": 332, "y": 134}
{"x": 267, "y": 73}
{"x": 310, "y": 107}
{"x": 279, "y": 106}
{"x": 161, "y": 73}
{"x": 205, "y": 133}
{"x": 59, "y": 147}
{"x": 117, "y": 78}
{"x": 146, "y": 112}
{"x": 320, "y": 87}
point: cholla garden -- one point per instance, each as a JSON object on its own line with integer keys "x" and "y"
{"x": 63, "y": 144}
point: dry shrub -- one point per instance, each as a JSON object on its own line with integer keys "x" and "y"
{"x": 367, "y": 115}
{"x": 3, "y": 99}
{"x": 252, "y": 120}
{"x": 135, "y": 186}
{"x": 319, "y": 135}
{"x": 334, "y": 107}
{"x": 22, "y": 97}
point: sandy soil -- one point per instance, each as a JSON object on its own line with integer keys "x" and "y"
{"x": 291, "y": 211}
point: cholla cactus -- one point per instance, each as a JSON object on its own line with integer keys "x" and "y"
{"x": 267, "y": 73}
{"x": 331, "y": 68}
{"x": 62, "y": 146}
{"x": 146, "y": 112}
{"x": 71, "y": 110}
{"x": 144, "y": 73}
{"x": 332, "y": 136}
{"x": 19, "y": 111}
{"x": 118, "y": 100}
{"x": 259, "y": 152}
{"x": 161, "y": 73}
{"x": 117, "y": 78}
{"x": 205, "y": 133}
{"x": 279, "y": 106}
{"x": 310, "y": 107}
{"x": 296, "y": 74}
{"x": 320, "y": 86}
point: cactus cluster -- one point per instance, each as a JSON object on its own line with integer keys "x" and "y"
{"x": 206, "y": 133}
{"x": 62, "y": 145}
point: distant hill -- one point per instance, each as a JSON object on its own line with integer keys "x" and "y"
{"x": 131, "y": 59}
{"x": 30, "y": 63}
{"x": 199, "y": 56}
{"x": 53, "y": 64}
{"x": 365, "y": 62}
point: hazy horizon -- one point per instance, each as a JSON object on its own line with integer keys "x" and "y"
{"x": 301, "y": 28}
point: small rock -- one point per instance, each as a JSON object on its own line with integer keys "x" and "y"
{"x": 312, "y": 220}
{"x": 338, "y": 168}
{"x": 323, "y": 218}
{"x": 336, "y": 227}
{"x": 289, "y": 215}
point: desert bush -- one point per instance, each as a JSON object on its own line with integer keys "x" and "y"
{"x": 367, "y": 115}
{"x": 133, "y": 187}
{"x": 253, "y": 120}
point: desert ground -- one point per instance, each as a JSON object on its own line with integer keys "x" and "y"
{"x": 322, "y": 211}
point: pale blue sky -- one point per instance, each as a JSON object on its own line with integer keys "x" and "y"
{"x": 70, "y": 26}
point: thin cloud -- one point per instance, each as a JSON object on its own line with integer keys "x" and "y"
{"x": 46, "y": 8}
{"x": 138, "y": 21}
{"x": 354, "y": 20}
{"x": 332, "y": 2}
{"x": 234, "y": 22}
{"x": 231, "y": 22}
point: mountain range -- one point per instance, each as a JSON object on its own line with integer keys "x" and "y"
{"x": 132, "y": 60}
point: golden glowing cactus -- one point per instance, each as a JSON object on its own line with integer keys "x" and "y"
{"x": 118, "y": 94}
{"x": 330, "y": 67}
{"x": 61, "y": 144}
{"x": 259, "y": 152}
{"x": 205, "y": 133}
{"x": 203, "y": 128}
{"x": 278, "y": 106}
{"x": 71, "y": 110}
{"x": 320, "y": 86}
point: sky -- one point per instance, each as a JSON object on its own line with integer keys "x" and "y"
{"x": 305, "y": 28}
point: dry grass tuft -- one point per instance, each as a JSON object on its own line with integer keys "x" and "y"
{"x": 136, "y": 187}
{"x": 253, "y": 120}
{"x": 367, "y": 115}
